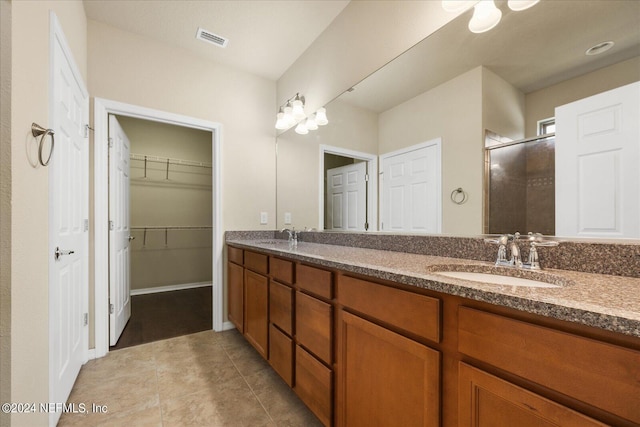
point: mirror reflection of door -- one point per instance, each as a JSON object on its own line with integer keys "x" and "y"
{"x": 346, "y": 207}
{"x": 411, "y": 199}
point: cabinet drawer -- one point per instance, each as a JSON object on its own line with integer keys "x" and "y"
{"x": 412, "y": 312}
{"x": 313, "y": 325}
{"x": 281, "y": 270}
{"x": 488, "y": 400}
{"x": 314, "y": 280}
{"x": 256, "y": 262}
{"x": 600, "y": 374}
{"x": 281, "y": 306}
{"x": 313, "y": 385}
{"x": 234, "y": 255}
{"x": 281, "y": 354}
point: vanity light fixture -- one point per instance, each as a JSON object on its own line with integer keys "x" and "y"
{"x": 518, "y": 5}
{"x": 292, "y": 112}
{"x": 485, "y": 13}
{"x": 485, "y": 16}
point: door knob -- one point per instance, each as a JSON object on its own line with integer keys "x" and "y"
{"x": 59, "y": 252}
{"x": 131, "y": 238}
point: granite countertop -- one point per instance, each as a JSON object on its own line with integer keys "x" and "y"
{"x": 603, "y": 301}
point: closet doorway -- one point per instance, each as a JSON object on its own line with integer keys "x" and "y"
{"x": 167, "y": 237}
{"x": 161, "y": 236}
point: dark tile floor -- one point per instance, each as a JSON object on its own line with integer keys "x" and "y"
{"x": 166, "y": 315}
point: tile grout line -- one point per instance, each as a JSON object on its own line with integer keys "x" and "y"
{"x": 249, "y": 385}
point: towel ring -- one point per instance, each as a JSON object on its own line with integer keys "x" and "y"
{"x": 37, "y": 130}
{"x": 455, "y": 196}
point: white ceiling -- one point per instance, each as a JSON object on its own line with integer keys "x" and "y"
{"x": 265, "y": 36}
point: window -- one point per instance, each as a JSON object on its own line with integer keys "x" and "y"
{"x": 547, "y": 126}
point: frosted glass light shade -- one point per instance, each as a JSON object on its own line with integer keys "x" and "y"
{"x": 302, "y": 129}
{"x": 298, "y": 110}
{"x": 518, "y": 5}
{"x": 321, "y": 116}
{"x": 281, "y": 123}
{"x": 485, "y": 16}
{"x": 288, "y": 115}
{"x": 311, "y": 124}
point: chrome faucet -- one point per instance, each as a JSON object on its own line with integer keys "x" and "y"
{"x": 536, "y": 240}
{"x": 293, "y": 235}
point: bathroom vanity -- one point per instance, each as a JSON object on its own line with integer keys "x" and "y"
{"x": 370, "y": 337}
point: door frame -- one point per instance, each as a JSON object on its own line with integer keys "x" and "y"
{"x": 56, "y": 36}
{"x": 101, "y": 110}
{"x": 372, "y": 171}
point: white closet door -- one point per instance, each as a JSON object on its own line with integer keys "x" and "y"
{"x": 347, "y": 197}
{"x": 411, "y": 189}
{"x": 119, "y": 231}
{"x": 597, "y": 165}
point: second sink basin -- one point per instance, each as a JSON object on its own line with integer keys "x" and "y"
{"x": 496, "y": 279}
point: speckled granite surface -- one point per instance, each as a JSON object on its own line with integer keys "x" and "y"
{"x": 603, "y": 301}
{"x": 590, "y": 257}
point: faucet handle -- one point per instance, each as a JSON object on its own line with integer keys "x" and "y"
{"x": 538, "y": 239}
{"x": 501, "y": 240}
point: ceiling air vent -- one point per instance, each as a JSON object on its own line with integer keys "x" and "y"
{"x": 209, "y": 37}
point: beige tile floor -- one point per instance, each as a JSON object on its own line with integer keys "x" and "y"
{"x": 203, "y": 379}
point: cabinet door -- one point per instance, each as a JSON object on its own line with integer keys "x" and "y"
{"x": 256, "y": 307}
{"x": 235, "y": 295}
{"x": 485, "y": 400}
{"x": 385, "y": 379}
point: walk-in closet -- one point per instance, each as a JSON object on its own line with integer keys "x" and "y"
{"x": 170, "y": 230}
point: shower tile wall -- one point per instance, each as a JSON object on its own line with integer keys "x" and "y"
{"x": 522, "y": 190}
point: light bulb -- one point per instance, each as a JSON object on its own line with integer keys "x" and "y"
{"x": 321, "y": 117}
{"x": 302, "y": 129}
{"x": 457, "y": 5}
{"x": 485, "y": 16}
{"x": 281, "y": 123}
{"x": 311, "y": 124}
{"x": 518, "y": 5}
{"x": 298, "y": 110}
{"x": 288, "y": 115}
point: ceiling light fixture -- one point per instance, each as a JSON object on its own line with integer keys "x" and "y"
{"x": 485, "y": 13}
{"x": 292, "y": 113}
{"x": 518, "y": 5}
{"x": 485, "y": 16}
{"x": 599, "y": 48}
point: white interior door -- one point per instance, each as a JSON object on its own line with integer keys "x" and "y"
{"x": 411, "y": 189}
{"x": 68, "y": 216}
{"x": 119, "y": 231}
{"x": 347, "y": 198}
{"x": 597, "y": 165}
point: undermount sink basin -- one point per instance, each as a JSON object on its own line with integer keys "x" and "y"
{"x": 496, "y": 279}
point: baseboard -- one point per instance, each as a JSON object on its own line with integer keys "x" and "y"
{"x": 169, "y": 288}
{"x": 227, "y": 326}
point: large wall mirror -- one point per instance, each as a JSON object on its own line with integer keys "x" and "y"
{"x": 429, "y": 122}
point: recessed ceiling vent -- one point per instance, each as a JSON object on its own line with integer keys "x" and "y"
{"x": 209, "y": 37}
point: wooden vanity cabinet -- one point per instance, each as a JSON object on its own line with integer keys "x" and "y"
{"x": 235, "y": 287}
{"x": 362, "y": 352}
{"x": 384, "y": 375}
{"x": 255, "y": 308}
{"x": 314, "y": 340}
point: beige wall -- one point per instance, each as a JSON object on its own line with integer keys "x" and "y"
{"x": 502, "y": 106}
{"x": 541, "y": 104}
{"x": 364, "y": 37}
{"x": 453, "y": 112}
{"x": 5, "y": 206}
{"x": 177, "y": 81}
{"x": 30, "y": 185}
{"x": 182, "y": 200}
{"x": 299, "y": 159}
